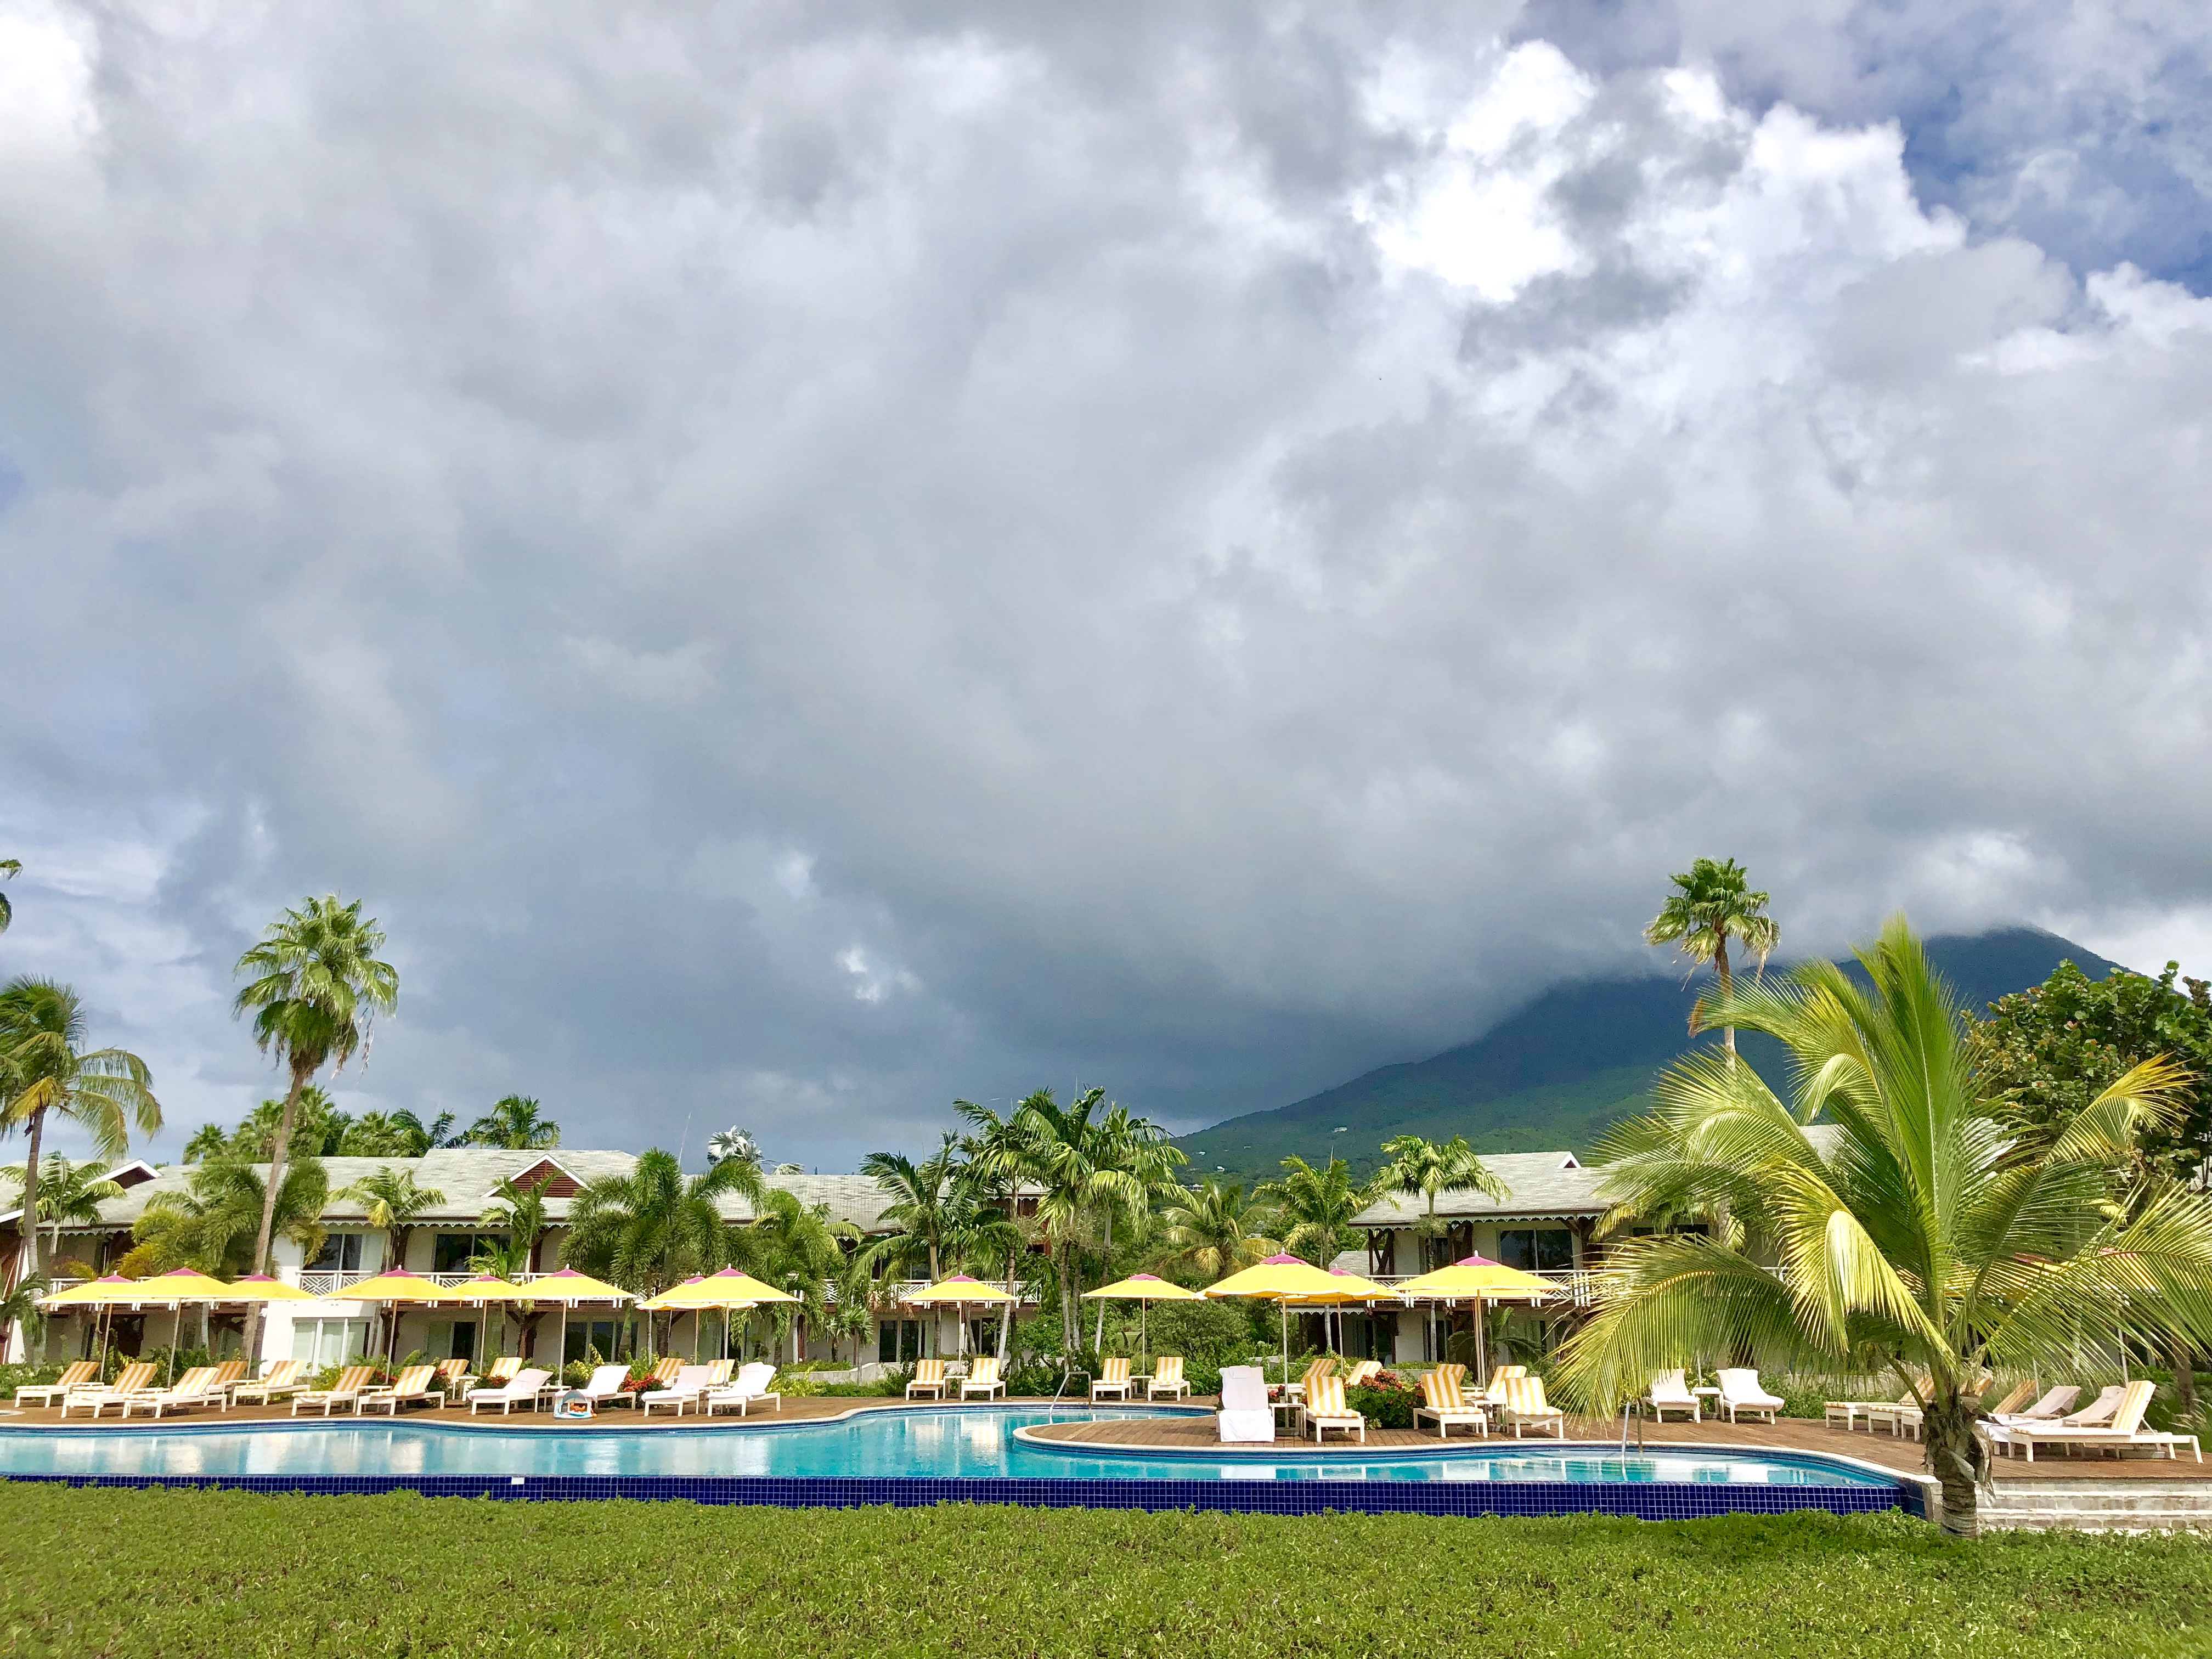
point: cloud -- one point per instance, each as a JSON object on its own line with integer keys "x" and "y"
{"x": 807, "y": 565}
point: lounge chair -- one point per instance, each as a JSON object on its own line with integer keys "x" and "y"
{"x": 1670, "y": 1392}
{"x": 1525, "y": 1407}
{"x": 416, "y": 1385}
{"x": 1325, "y": 1408}
{"x": 928, "y": 1379}
{"x": 719, "y": 1371}
{"x": 691, "y": 1382}
{"x": 1167, "y": 1378}
{"x": 197, "y": 1387}
{"x": 1324, "y": 1366}
{"x": 2013, "y": 1398}
{"x": 1741, "y": 1392}
{"x": 1444, "y": 1404}
{"x": 983, "y": 1378}
{"x": 1245, "y": 1415}
{"x": 523, "y": 1390}
{"x": 1849, "y": 1412}
{"x": 1363, "y": 1373}
{"x": 1495, "y": 1393}
{"x": 606, "y": 1386}
{"x": 132, "y": 1379}
{"x": 353, "y": 1382}
{"x": 1114, "y": 1380}
{"x": 278, "y": 1376}
{"x": 75, "y": 1375}
{"x": 2054, "y": 1405}
{"x": 752, "y": 1386}
{"x": 505, "y": 1368}
{"x": 455, "y": 1377}
{"x": 2126, "y": 1430}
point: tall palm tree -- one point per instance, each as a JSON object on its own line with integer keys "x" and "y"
{"x": 46, "y": 1071}
{"x": 212, "y": 1223}
{"x": 68, "y": 1193}
{"x": 1070, "y": 1153}
{"x": 520, "y": 1214}
{"x": 315, "y": 989}
{"x": 1213, "y": 1229}
{"x": 924, "y": 1207}
{"x": 1710, "y": 903}
{"x": 1917, "y": 1231}
{"x": 1316, "y": 1207}
{"x": 992, "y": 1177}
{"x": 1138, "y": 1151}
{"x": 9, "y": 867}
{"x": 514, "y": 1123}
{"x": 418, "y": 1137}
{"x": 651, "y": 1227}
{"x": 732, "y": 1143}
{"x": 795, "y": 1246}
{"x": 393, "y": 1201}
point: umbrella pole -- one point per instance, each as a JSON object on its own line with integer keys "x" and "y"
{"x": 177, "y": 1335}
{"x": 1284, "y": 1303}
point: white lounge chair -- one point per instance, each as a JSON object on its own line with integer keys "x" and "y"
{"x": 96, "y": 1398}
{"x": 691, "y": 1382}
{"x": 522, "y": 1390}
{"x": 197, "y": 1387}
{"x": 751, "y": 1386}
{"x": 418, "y": 1385}
{"x": 1114, "y": 1380}
{"x": 1741, "y": 1392}
{"x": 983, "y": 1378}
{"x": 1245, "y": 1416}
{"x": 2054, "y": 1405}
{"x": 606, "y": 1386}
{"x": 278, "y": 1376}
{"x": 1325, "y": 1408}
{"x": 1443, "y": 1404}
{"x": 1670, "y": 1392}
{"x": 78, "y": 1374}
{"x": 1167, "y": 1378}
{"x": 1525, "y": 1408}
{"x": 2125, "y": 1431}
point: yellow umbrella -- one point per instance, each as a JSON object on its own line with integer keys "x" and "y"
{"x": 962, "y": 1290}
{"x": 1348, "y": 1288}
{"x": 394, "y": 1286}
{"x": 1477, "y": 1280}
{"x": 482, "y": 1289}
{"x": 568, "y": 1287}
{"x": 260, "y": 1287}
{"x": 728, "y": 1290}
{"x": 175, "y": 1288}
{"x": 1144, "y": 1288}
{"x": 1283, "y": 1280}
{"x": 94, "y": 1292}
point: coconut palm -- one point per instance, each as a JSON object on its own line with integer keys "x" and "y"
{"x": 46, "y": 1071}
{"x": 795, "y": 1246}
{"x": 68, "y": 1193}
{"x": 651, "y": 1227}
{"x": 924, "y": 1206}
{"x": 9, "y": 867}
{"x": 732, "y": 1143}
{"x": 1315, "y": 1207}
{"x": 1138, "y": 1151}
{"x": 1911, "y": 1230}
{"x": 393, "y": 1201}
{"x": 212, "y": 1225}
{"x": 1712, "y": 902}
{"x": 1418, "y": 1167}
{"x": 418, "y": 1137}
{"x": 1213, "y": 1229}
{"x": 520, "y": 1214}
{"x": 513, "y": 1122}
{"x": 315, "y": 989}
{"x": 991, "y": 1176}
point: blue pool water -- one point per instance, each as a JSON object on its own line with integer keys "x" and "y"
{"x": 962, "y": 1445}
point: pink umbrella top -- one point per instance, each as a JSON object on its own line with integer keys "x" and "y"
{"x": 1477, "y": 1261}
{"x": 1285, "y": 1261}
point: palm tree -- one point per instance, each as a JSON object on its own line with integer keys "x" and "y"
{"x": 418, "y": 1137}
{"x": 68, "y": 1193}
{"x": 649, "y": 1229}
{"x": 520, "y": 1214}
{"x": 316, "y": 988}
{"x": 1317, "y": 1206}
{"x": 211, "y": 1224}
{"x": 514, "y": 1124}
{"x": 991, "y": 1178}
{"x": 46, "y": 1071}
{"x": 1213, "y": 1229}
{"x": 9, "y": 867}
{"x": 795, "y": 1246}
{"x": 1913, "y": 1230}
{"x": 924, "y": 1207}
{"x": 1420, "y": 1168}
{"x": 506, "y": 1258}
{"x": 393, "y": 1201}
{"x": 1710, "y": 902}
{"x": 1138, "y": 1151}
{"x": 1069, "y": 1155}
{"x": 732, "y": 1143}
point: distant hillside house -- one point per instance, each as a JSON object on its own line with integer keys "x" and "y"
{"x": 439, "y": 1243}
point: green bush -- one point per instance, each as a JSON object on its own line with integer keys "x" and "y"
{"x": 1387, "y": 1401}
{"x": 182, "y": 1574}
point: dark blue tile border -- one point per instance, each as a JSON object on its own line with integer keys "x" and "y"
{"x": 1654, "y": 1501}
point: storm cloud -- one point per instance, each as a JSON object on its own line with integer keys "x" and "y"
{"x": 807, "y": 561}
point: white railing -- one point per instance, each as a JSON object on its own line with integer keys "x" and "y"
{"x": 320, "y": 1281}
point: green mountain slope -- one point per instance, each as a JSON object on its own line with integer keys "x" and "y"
{"x": 1557, "y": 1072}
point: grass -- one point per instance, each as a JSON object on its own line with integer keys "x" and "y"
{"x": 99, "y": 1572}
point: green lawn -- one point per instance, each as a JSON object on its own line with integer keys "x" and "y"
{"x": 100, "y": 1572}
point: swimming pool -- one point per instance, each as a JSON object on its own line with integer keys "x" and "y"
{"x": 970, "y": 1443}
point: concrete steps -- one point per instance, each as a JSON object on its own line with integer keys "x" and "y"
{"x": 2101, "y": 1506}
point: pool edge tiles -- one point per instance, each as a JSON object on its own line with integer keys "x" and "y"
{"x": 1656, "y": 1501}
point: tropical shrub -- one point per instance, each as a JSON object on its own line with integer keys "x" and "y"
{"x": 1386, "y": 1401}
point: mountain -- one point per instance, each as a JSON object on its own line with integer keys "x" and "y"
{"x": 1557, "y": 1072}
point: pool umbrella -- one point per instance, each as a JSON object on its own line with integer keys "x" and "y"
{"x": 482, "y": 1290}
{"x": 394, "y": 1286}
{"x": 259, "y": 1287}
{"x": 1282, "y": 1279}
{"x": 176, "y": 1287}
{"x": 960, "y": 1290}
{"x": 568, "y": 1287}
{"x": 107, "y": 1291}
{"x": 1143, "y": 1289}
{"x": 729, "y": 1290}
{"x": 1477, "y": 1279}
{"x": 1349, "y": 1287}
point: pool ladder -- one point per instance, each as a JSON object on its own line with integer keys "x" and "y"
{"x": 1630, "y": 1408}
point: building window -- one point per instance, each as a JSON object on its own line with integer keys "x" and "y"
{"x": 323, "y": 1342}
{"x": 341, "y": 1253}
{"x": 1537, "y": 1249}
{"x": 454, "y": 1250}
{"x": 898, "y": 1341}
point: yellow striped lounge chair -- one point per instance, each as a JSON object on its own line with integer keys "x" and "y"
{"x": 74, "y": 1376}
{"x": 505, "y": 1370}
{"x": 416, "y": 1385}
{"x": 1324, "y": 1366}
{"x": 1444, "y": 1404}
{"x": 1325, "y": 1409}
{"x": 1495, "y": 1393}
{"x": 197, "y": 1387}
{"x": 1526, "y": 1406}
{"x": 928, "y": 1379}
{"x": 1114, "y": 1380}
{"x": 983, "y": 1378}
{"x": 283, "y": 1377}
{"x": 352, "y": 1384}
{"x": 1365, "y": 1372}
{"x": 1167, "y": 1378}
{"x": 132, "y": 1379}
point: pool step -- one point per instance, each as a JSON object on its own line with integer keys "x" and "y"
{"x": 2101, "y": 1506}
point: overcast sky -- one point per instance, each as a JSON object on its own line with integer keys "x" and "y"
{"x": 807, "y": 560}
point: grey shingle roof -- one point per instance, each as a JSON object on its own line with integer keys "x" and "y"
{"x": 1542, "y": 1184}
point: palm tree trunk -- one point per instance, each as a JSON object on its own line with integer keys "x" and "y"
{"x": 1728, "y": 989}
{"x": 277, "y": 1150}
{"x": 1104, "y": 1271}
{"x": 2184, "y": 1379}
{"x": 1006, "y": 1308}
{"x": 28, "y": 1226}
{"x": 1955, "y": 1459}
